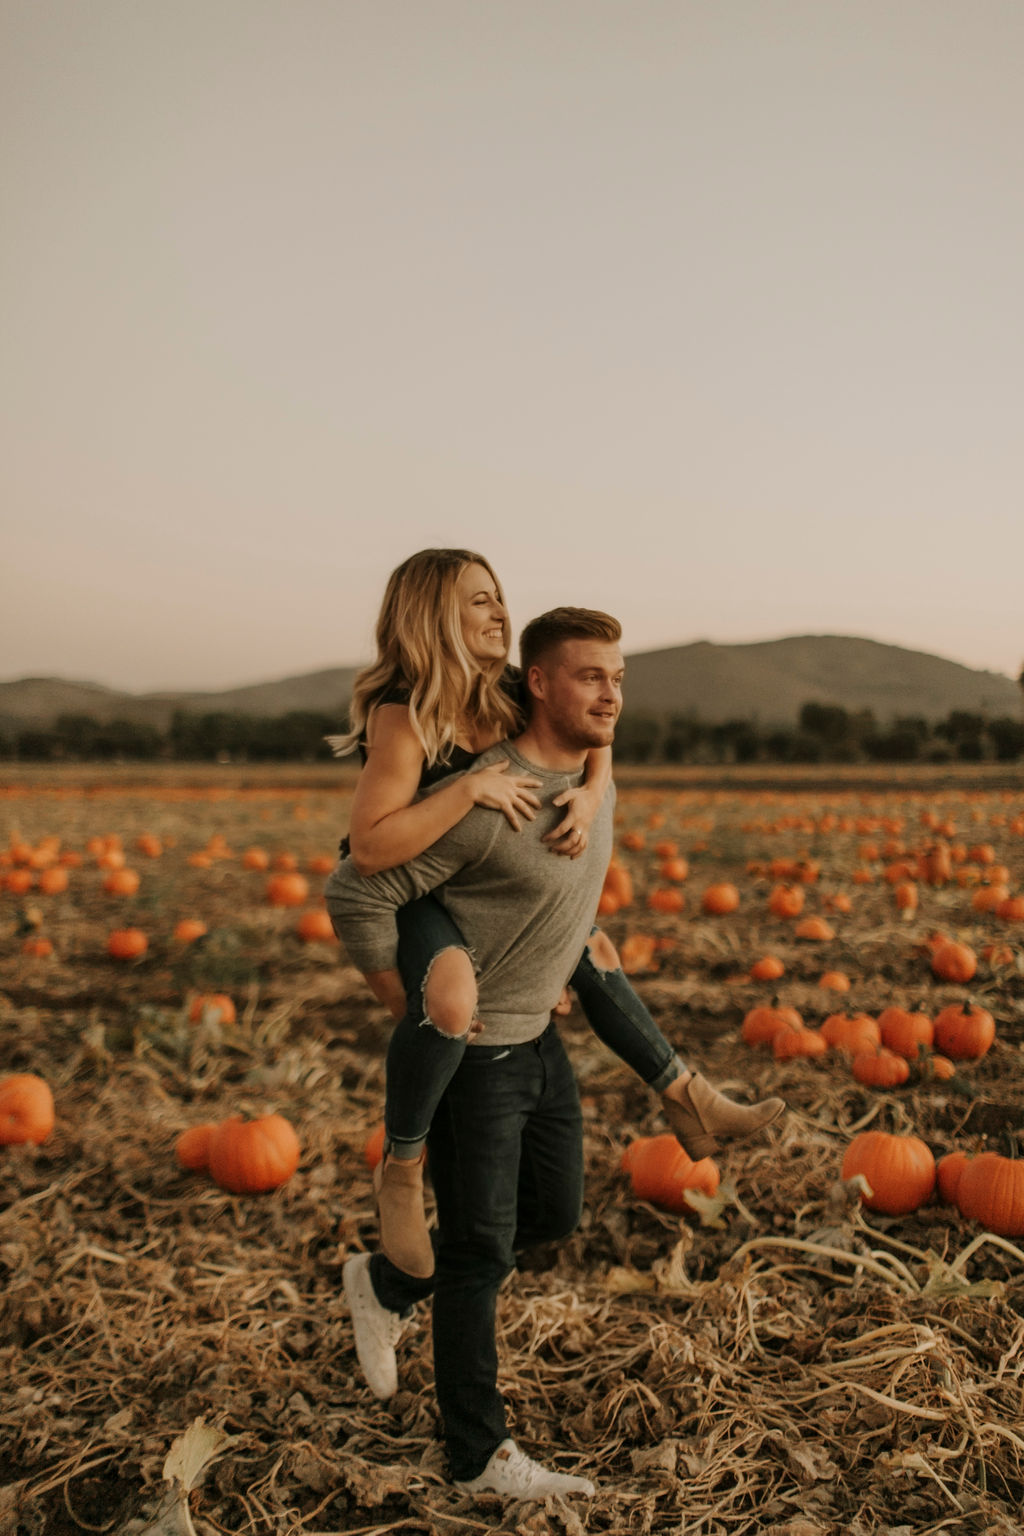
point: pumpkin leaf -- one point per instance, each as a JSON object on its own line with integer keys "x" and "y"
{"x": 709, "y": 1208}
{"x": 192, "y": 1452}
{"x": 172, "y": 1518}
{"x": 621, "y": 1280}
{"x": 671, "y": 1273}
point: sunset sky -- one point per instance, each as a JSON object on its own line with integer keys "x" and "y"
{"x": 710, "y": 314}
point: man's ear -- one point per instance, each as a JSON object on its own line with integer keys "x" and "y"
{"x": 536, "y": 681}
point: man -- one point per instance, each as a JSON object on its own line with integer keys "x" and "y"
{"x": 505, "y": 1147}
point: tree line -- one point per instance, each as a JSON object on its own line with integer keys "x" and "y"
{"x": 823, "y": 733}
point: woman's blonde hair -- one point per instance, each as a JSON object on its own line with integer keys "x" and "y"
{"x": 420, "y": 648}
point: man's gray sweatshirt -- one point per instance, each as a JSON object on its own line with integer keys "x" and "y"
{"x": 524, "y": 912}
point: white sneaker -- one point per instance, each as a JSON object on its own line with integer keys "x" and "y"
{"x": 375, "y": 1329}
{"x": 510, "y": 1471}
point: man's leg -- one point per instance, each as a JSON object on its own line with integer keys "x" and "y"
{"x": 550, "y": 1196}
{"x": 508, "y": 1132}
{"x": 380, "y": 1299}
{"x": 474, "y": 1148}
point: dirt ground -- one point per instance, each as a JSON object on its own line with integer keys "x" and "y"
{"x": 180, "y": 1359}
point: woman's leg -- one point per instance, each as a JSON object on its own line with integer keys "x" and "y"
{"x": 426, "y": 1047}
{"x": 428, "y": 1041}
{"x": 702, "y": 1119}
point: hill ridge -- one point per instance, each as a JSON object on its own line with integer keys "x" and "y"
{"x": 763, "y": 680}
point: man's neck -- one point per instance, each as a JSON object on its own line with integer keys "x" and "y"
{"x": 541, "y": 748}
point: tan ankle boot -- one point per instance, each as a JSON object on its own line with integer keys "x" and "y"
{"x": 703, "y": 1119}
{"x": 404, "y": 1234}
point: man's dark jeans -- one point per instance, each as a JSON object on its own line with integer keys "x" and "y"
{"x": 505, "y": 1154}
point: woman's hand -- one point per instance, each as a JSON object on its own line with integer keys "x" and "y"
{"x": 510, "y": 793}
{"x": 573, "y": 832}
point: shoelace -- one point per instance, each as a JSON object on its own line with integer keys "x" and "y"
{"x": 522, "y": 1473}
{"x": 392, "y": 1327}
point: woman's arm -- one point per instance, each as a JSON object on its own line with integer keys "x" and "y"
{"x": 582, "y": 805}
{"x": 389, "y": 825}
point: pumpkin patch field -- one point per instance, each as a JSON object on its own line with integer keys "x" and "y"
{"x": 818, "y": 1334}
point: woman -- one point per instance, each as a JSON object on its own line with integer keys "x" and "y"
{"x": 438, "y": 694}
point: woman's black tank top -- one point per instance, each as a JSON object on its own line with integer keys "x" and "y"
{"x": 459, "y": 759}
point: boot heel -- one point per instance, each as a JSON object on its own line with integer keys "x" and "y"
{"x": 404, "y": 1234}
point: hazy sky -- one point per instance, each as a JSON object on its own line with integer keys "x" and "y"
{"x": 709, "y": 313}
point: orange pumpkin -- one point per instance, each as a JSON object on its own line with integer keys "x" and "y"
{"x": 952, "y": 961}
{"x": 38, "y": 947}
{"x": 851, "y": 1032}
{"x": 904, "y": 1032}
{"x": 768, "y": 968}
{"x": 834, "y": 981}
{"x": 287, "y": 889}
{"x": 188, "y": 930}
{"x": 54, "y": 880}
{"x": 947, "y": 1175}
{"x": 315, "y": 927}
{"x": 617, "y": 890}
{"x": 787, "y": 1044}
{"x": 26, "y": 1109}
{"x": 721, "y": 898}
{"x": 998, "y": 955}
{"x": 636, "y": 953}
{"x": 900, "y": 1171}
{"x": 666, "y": 899}
{"x": 661, "y": 1172}
{"x": 814, "y": 928}
{"x": 786, "y": 900}
{"x": 880, "y": 1068}
{"x": 211, "y": 1008}
{"x": 936, "y": 864}
{"x": 121, "y": 882}
{"x": 964, "y": 1031}
{"x": 255, "y": 858}
{"x": 192, "y": 1148}
{"x": 127, "y": 943}
{"x": 674, "y": 869}
{"x": 761, "y": 1024}
{"x": 249, "y": 1157}
{"x": 1011, "y": 909}
{"x": 373, "y": 1150}
{"x": 990, "y": 1191}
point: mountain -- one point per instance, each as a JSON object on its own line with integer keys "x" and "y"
{"x": 37, "y": 701}
{"x": 766, "y": 681}
{"x": 769, "y": 681}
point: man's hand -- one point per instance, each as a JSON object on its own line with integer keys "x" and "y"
{"x": 387, "y": 988}
{"x": 573, "y": 832}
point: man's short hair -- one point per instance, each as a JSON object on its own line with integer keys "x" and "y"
{"x": 543, "y": 634}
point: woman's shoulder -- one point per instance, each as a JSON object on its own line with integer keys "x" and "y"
{"x": 395, "y": 693}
